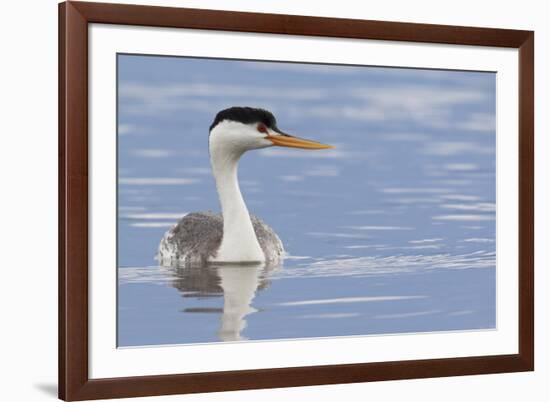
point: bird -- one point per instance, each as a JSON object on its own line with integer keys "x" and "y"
{"x": 235, "y": 235}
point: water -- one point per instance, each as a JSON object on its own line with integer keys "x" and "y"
{"x": 391, "y": 232}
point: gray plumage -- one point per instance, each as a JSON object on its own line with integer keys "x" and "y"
{"x": 197, "y": 237}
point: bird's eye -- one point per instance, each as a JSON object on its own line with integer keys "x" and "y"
{"x": 262, "y": 128}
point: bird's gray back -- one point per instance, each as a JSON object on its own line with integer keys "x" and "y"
{"x": 197, "y": 237}
{"x": 192, "y": 241}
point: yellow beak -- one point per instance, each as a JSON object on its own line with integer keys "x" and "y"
{"x": 285, "y": 140}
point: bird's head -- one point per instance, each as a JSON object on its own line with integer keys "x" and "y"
{"x": 240, "y": 129}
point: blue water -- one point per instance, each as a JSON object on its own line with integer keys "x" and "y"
{"x": 392, "y": 231}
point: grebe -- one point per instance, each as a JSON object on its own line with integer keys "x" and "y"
{"x": 235, "y": 235}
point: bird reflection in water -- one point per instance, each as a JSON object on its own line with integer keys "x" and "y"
{"x": 236, "y": 283}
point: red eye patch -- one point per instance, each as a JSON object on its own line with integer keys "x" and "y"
{"x": 262, "y": 128}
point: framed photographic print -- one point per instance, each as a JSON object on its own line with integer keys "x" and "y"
{"x": 258, "y": 200}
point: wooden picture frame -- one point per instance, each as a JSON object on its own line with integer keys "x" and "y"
{"x": 74, "y": 381}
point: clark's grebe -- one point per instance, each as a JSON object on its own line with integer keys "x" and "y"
{"x": 235, "y": 235}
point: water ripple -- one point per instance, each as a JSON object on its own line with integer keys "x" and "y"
{"x": 395, "y": 264}
{"x": 349, "y": 266}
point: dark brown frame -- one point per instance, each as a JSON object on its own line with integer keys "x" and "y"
{"x": 74, "y": 17}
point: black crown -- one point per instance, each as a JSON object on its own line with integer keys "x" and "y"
{"x": 245, "y": 115}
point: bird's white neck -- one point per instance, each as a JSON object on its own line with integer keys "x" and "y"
{"x": 239, "y": 242}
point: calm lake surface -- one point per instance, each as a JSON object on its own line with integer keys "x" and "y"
{"x": 392, "y": 231}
